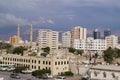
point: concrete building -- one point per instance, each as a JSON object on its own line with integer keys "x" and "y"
{"x": 66, "y": 39}
{"x": 96, "y": 34}
{"x": 112, "y": 41}
{"x": 16, "y": 38}
{"x": 13, "y": 39}
{"x": 78, "y": 33}
{"x": 48, "y": 38}
{"x": 107, "y": 32}
{"x": 57, "y": 63}
{"x": 105, "y": 72}
{"x": 90, "y": 45}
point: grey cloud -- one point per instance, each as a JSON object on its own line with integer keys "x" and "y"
{"x": 8, "y": 19}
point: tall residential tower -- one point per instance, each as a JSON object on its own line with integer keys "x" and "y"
{"x": 48, "y": 38}
{"x": 66, "y": 39}
{"x": 78, "y": 33}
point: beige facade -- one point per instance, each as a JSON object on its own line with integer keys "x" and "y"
{"x": 78, "y": 33}
{"x": 112, "y": 41}
{"x": 48, "y": 38}
{"x": 14, "y": 39}
{"x": 53, "y": 63}
{"x": 66, "y": 39}
{"x": 105, "y": 72}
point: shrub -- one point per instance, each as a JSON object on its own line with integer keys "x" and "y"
{"x": 40, "y": 72}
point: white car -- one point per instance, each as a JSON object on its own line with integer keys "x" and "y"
{"x": 10, "y": 68}
{"x": 3, "y": 68}
{"x": 60, "y": 78}
{"x": 26, "y": 71}
{"x": 49, "y": 76}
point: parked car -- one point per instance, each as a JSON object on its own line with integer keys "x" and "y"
{"x": 10, "y": 68}
{"x": 15, "y": 75}
{"x": 3, "y": 68}
{"x": 60, "y": 78}
{"x": 48, "y": 75}
{"x": 27, "y": 71}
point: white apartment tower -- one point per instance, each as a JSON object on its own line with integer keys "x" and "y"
{"x": 66, "y": 39}
{"x": 48, "y": 38}
{"x": 78, "y": 33}
{"x": 112, "y": 41}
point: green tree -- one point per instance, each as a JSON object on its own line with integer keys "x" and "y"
{"x": 44, "y": 54}
{"x": 72, "y": 50}
{"x": 46, "y": 49}
{"x": 19, "y": 50}
{"x": 95, "y": 56}
{"x": 117, "y": 52}
{"x": 6, "y": 46}
{"x": 68, "y": 73}
{"x": 19, "y": 69}
{"x": 108, "y": 55}
{"x": 77, "y": 52}
{"x": 40, "y": 72}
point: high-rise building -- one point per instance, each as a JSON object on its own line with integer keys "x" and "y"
{"x": 112, "y": 41}
{"x": 66, "y": 39}
{"x": 78, "y": 33}
{"x": 96, "y": 34}
{"x": 48, "y": 38}
{"x": 107, "y": 32}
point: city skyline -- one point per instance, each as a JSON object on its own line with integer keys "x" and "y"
{"x": 59, "y": 15}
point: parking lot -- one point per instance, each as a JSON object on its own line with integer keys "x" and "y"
{"x": 6, "y": 76}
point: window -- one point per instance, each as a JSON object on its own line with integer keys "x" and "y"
{"x": 95, "y": 73}
{"x": 104, "y": 74}
{"x": 46, "y": 62}
{"x": 38, "y": 67}
{"x": 113, "y": 75}
{"x": 38, "y": 62}
{"x": 58, "y": 62}
{"x": 55, "y": 63}
{"x": 34, "y": 61}
{"x": 43, "y": 62}
{"x": 61, "y": 62}
{"x": 64, "y": 62}
{"x": 49, "y": 62}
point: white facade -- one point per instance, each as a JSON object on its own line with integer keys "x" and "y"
{"x": 112, "y": 41}
{"x": 66, "y": 38}
{"x": 48, "y": 38}
{"x": 78, "y": 32}
{"x": 90, "y": 44}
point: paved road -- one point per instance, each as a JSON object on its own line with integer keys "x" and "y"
{"x": 6, "y": 76}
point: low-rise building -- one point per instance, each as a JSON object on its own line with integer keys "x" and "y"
{"x": 56, "y": 64}
{"x": 112, "y": 41}
{"x": 90, "y": 45}
{"x": 105, "y": 72}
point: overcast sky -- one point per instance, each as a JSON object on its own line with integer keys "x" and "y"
{"x": 59, "y": 15}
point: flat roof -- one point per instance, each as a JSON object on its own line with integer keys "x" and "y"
{"x": 106, "y": 67}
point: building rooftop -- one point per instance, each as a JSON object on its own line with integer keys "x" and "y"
{"x": 107, "y": 67}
